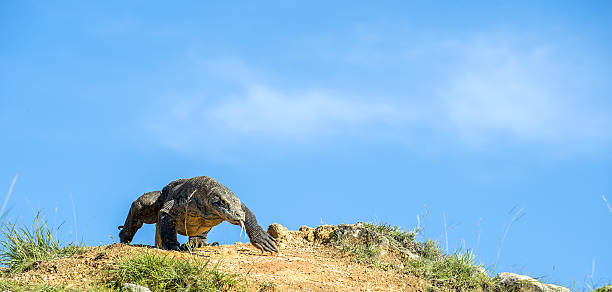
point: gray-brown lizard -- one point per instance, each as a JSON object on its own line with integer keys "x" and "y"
{"x": 192, "y": 207}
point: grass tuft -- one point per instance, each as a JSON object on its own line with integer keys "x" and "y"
{"x": 457, "y": 272}
{"x": 163, "y": 273}
{"x": 267, "y": 286}
{"x": 366, "y": 253}
{"x": 607, "y": 288}
{"x": 25, "y": 286}
{"x": 429, "y": 250}
{"x": 22, "y": 248}
{"x": 390, "y": 247}
{"x": 393, "y": 233}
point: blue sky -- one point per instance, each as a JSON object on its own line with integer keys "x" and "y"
{"x": 322, "y": 112}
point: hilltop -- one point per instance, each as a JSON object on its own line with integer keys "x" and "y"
{"x": 350, "y": 257}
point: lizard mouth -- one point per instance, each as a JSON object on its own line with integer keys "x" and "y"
{"x": 242, "y": 229}
{"x": 239, "y": 222}
{"x": 236, "y": 219}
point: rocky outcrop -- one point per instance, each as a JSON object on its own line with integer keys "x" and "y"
{"x": 607, "y": 288}
{"x": 304, "y": 235}
{"x": 514, "y": 282}
{"x": 308, "y": 233}
{"x": 405, "y": 245}
{"x": 279, "y": 232}
{"x": 324, "y": 234}
{"x": 129, "y": 287}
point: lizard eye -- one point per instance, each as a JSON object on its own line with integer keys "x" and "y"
{"x": 220, "y": 203}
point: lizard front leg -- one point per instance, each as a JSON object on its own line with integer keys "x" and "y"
{"x": 259, "y": 237}
{"x": 167, "y": 232}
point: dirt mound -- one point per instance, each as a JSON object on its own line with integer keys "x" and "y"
{"x": 345, "y": 257}
{"x": 299, "y": 265}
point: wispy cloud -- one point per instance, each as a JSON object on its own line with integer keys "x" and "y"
{"x": 269, "y": 112}
{"x": 522, "y": 96}
{"x": 489, "y": 92}
{"x": 265, "y": 114}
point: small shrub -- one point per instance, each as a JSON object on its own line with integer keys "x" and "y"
{"x": 163, "y": 273}
{"x": 363, "y": 253}
{"x": 393, "y": 233}
{"x": 456, "y": 272}
{"x": 607, "y": 288}
{"x": 23, "y": 247}
{"x": 24, "y": 286}
{"x": 429, "y": 250}
{"x": 267, "y": 286}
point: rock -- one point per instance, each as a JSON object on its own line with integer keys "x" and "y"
{"x": 308, "y": 233}
{"x": 350, "y": 230}
{"x": 607, "y": 288}
{"x": 129, "y": 287}
{"x": 383, "y": 242}
{"x": 481, "y": 270}
{"x": 411, "y": 255}
{"x": 278, "y": 231}
{"x": 511, "y": 282}
{"x": 325, "y": 233}
{"x": 552, "y": 287}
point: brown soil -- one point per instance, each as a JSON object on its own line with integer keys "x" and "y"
{"x": 309, "y": 267}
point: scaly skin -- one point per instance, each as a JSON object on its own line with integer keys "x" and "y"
{"x": 192, "y": 207}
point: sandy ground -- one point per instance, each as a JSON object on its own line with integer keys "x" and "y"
{"x": 294, "y": 268}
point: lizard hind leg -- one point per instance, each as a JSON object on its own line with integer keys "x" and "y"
{"x": 143, "y": 210}
{"x": 158, "y": 240}
{"x": 200, "y": 241}
{"x": 131, "y": 225}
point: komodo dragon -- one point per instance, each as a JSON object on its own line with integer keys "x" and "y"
{"x": 191, "y": 207}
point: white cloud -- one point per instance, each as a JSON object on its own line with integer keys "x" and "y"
{"x": 265, "y": 111}
{"x": 262, "y": 113}
{"x": 488, "y": 94}
{"x": 521, "y": 95}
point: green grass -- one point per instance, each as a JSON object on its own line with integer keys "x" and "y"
{"x": 364, "y": 253}
{"x": 429, "y": 250}
{"x": 394, "y": 233}
{"x": 21, "y": 248}
{"x": 164, "y": 273}
{"x": 457, "y": 272}
{"x": 267, "y": 286}
{"x": 607, "y": 288}
{"x": 16, "y": 286}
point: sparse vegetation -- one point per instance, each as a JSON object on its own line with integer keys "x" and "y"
{"x": 267, "y": 286}
{"x": 108, "y": 268}
{"x": 392, "y": 233}
{"x": 367, "y": 253}
{"x": 457, "y": 272}
{"x": 21, "y": 247}
{"x": 164, "y": 273}
{"x": 386, "y": 247}
{"x": 429, "y": 250}
{"x": 607, "y": 288}
{"x": 16, "y": 286}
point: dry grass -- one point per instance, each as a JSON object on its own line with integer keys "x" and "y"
{"x": 24, "y": 247}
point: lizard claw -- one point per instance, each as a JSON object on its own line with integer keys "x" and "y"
{"x": 264, "y": 242}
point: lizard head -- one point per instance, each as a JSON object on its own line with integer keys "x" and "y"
{"x": 225, "y": 203}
